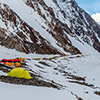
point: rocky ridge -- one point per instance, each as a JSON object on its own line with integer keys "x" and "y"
{"x": 61, "y": 19}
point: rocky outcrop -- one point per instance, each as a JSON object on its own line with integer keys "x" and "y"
{"x": 81, "y": 23}
{"x": 35, "y": 81}
{"x": 31, "y": 82}
{"x": 19, "y": 38}
{"x": 67, "y": 19}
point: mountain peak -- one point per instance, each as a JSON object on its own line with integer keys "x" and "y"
{"x": 45, "y": 27}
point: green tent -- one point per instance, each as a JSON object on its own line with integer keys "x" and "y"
{"x": 19, "y": 73}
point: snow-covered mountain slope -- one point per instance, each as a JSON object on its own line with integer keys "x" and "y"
{"x": 44, "y": 26}
{"x": 50, "y": 27}
{"x": 78, "y": 75}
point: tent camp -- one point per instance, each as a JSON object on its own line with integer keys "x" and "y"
{"x": 19, "y": 73}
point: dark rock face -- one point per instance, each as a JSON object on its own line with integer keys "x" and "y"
{"x": 26, "y": 39}
{"x": 32, "y": 82}
{"x": 18, "y": 40}
{"x": 35, "y": 81}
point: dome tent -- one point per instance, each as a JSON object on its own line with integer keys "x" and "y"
{"x": 19, "y": 73}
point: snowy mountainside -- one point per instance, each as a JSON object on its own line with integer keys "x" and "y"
{"x": 43, "y": 26}
{"x": 78, "y": 75}
{"x": 17, "y": 34}
{"x": 46, "y": 29}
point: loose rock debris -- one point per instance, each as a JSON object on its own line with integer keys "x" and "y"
{"x": 35, "y": 81}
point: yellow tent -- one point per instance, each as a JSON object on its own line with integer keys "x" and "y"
{"x": 19, "y": 73}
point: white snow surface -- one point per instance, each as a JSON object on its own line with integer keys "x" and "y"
{"x": 87, "y": 67}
